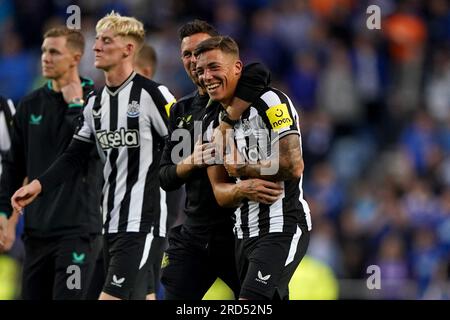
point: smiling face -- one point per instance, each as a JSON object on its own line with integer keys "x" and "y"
{"x": 219, "y": 73}
{"x": 56, "y": 58}
{"x": 110, "y": 49}
{"x": 188, "y": 44}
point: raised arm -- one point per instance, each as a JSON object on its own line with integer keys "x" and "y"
{"x": 172, "y": 175}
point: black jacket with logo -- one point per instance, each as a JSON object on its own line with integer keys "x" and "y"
{"x": 43, "y": 127}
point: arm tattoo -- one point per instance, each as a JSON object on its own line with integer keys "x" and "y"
{"x": 289, "y": 158}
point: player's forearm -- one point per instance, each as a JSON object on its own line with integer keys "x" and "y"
{"x": 274, "y": 170}
{"x": 14, "y": 219}
{"x": 227, "y": 193}
{"x": 185, "y": 167}
{"x": 173, "y": 176}
{"x": 286, "y": 162}
{"x": 257, "y": 170}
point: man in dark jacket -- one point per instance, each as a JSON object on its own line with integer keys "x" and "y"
{"x": 61, "y": 227}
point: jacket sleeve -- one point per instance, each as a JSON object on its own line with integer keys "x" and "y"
{"x": 68, "y": 164}
{"x": 255, "y": 78}
{"x": 168, "y": 177}
{"x": 74, "y": 112}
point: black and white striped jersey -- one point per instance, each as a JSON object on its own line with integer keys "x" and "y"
{"x": 128, "y": 126}
{"x": 270, "y": 118}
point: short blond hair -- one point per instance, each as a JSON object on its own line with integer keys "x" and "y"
{"x": 122, "y": 26}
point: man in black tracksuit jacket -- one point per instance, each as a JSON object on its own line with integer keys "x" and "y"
{"x": 61, "y": 227}
{"x": 202, "y": 248}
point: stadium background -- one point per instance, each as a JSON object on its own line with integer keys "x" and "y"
{"x": 375, "y": 120}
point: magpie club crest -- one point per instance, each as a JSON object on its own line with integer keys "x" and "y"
{"x": 133, "y": 109}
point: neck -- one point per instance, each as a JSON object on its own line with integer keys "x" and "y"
{"x": 70, "y": 76}
{"x": 226, "y": 102}
{"x": 118, "y": 74}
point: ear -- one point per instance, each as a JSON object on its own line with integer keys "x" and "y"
{"x": 149, "y": 71}
{"x": 129, "y": 49}
{"x": 238, "y": 67}
{"x": 77, "y": 57}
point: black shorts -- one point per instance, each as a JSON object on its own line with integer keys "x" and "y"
{"x": 149, "y": 281}
{"x": 125, "y": 255}
{"x": 266, "y": 263}
{"x": 98, "y": 275}
{"x": 51, "y": 266}
{"x": 154, "y": 264}
{"x": 192, "y": 264}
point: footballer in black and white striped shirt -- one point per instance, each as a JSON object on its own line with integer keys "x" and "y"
{"x": 272, "y": 219}
{"x": 128, "y": 125}
{"x": 268, "y": 120}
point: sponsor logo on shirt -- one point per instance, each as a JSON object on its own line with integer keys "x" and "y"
{"x": 119, "y": 138}
{"x": 279, "y": 117}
